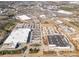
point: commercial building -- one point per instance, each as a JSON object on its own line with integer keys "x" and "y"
{"x": 17, "y": 36}
{"x": 22, "y": 17}
{"x": 64, "y": 12}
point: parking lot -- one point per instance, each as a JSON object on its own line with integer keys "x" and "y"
{"x": 58, "y": 41}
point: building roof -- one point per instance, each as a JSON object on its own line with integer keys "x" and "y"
{"x": 23, "y": 17}
{"x": 18, "y": 36}
{"x": 74, "y": 2}
{"x": 64, "y": 12}
{"x": 43, "y": 16}
{"x": 59, "y": 21}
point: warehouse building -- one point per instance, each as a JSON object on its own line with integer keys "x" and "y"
{"x": 22, "y": 17}
{"x": 64, "y": 12}
{"x": 17, "y": 36}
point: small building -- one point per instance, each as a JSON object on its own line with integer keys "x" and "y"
{"x": 43, "y": 16}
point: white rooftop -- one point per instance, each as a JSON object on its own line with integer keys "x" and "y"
{"x": 74, "y": 2}
{"x": 23, "y": 17}
{"x": 64, "y": 12}
{"x": 59, "y": 21}
{"x": 18, "y": 36}
{"x": 43, "y": 16}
